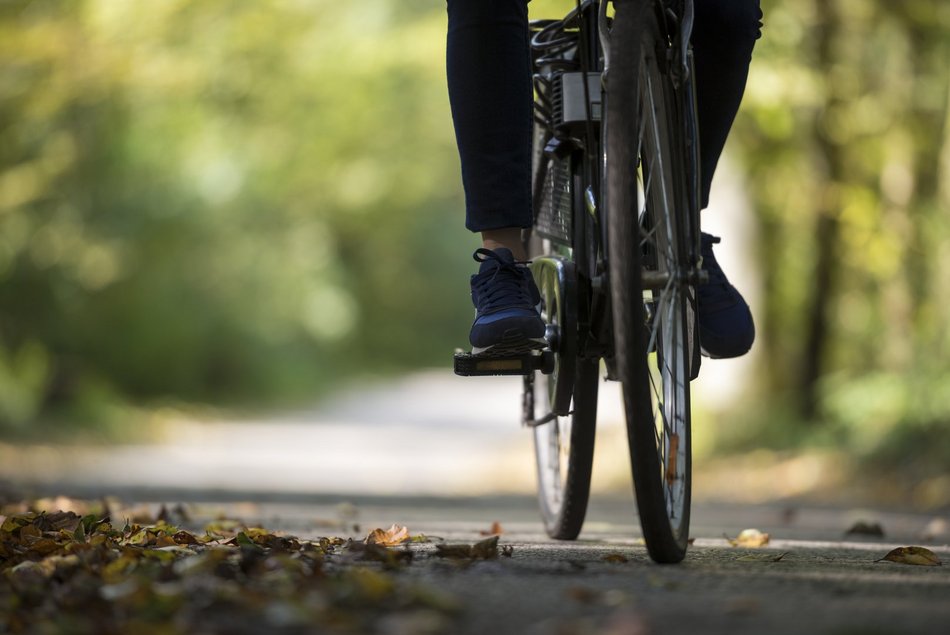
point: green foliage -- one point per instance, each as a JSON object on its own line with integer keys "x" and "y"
{"x": 230, "y": 201}
{"x": 845, "y": 137}
{"x": 222, "y": 200}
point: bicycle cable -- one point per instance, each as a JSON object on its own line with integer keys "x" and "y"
{"x": 589, "y": 123}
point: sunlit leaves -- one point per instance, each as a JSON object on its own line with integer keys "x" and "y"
{"x": 391, "y": 537}
{"x": 225, "y": 157}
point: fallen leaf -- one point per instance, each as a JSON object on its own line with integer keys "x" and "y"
{"x": 185, "y": 538}
{"x": 390, "y": 558}
{"x": 484, "y": 550}
{"x": 45, "y": 546}
{"x": 862, "y": 528}
{"x": 749, "y": 538}
{"x": 495, "y": 530}
{"x": 84, "y": 572}
{"x": 616, "y": 558}
{"x": 392, "y": 537}
{"x": 912, "y": 555}
{"x": 55, "y": 521}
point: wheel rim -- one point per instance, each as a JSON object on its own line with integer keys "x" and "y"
{"x": 552, "y": 439}
{"x": 552, "y": 449}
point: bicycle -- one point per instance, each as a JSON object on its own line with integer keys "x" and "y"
{"x": 615, "y": 251}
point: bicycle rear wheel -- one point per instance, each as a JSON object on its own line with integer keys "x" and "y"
{"x": 560, "y": 406}
{"x": 564, "y": 451}
{"x": 652, "y": 293}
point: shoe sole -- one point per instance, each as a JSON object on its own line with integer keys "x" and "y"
{"x": 512, "y": 343}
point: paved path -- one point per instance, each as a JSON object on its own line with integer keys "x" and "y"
{"x": 420, "y": 453}
{"x": 424, "y": 434}
{"x": 604, "y": 583}
{"x": 825, "y": 584}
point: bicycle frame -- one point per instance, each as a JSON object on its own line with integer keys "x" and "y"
{"x": 588, "y": 54}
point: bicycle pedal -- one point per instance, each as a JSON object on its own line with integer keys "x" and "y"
{"x": 469, "y": 365}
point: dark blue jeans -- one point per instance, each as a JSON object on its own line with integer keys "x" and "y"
{"x": 489, "y": 75}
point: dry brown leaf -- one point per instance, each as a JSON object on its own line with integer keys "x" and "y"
{"x": 185, "y": 538}
{"x": 617, "y": 558}
{"x": 486, "y": 549}
{"x": 913, "y": 555}
{"x": 392, "y": 537}
{"x": 495, "y": 530}
{"x": 749, "y": 538}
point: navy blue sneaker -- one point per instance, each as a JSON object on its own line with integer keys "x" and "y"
{"x": 506, "y": 299}
{"x": 725, "y": 321}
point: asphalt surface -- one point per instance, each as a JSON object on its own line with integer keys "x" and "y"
{"x": 826, "y": 581}
{"x": 407, "y": 453}
{"x": 812, "y": 577}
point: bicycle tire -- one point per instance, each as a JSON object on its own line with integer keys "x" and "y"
{"x": 564, "y": 445}
{"x": 564, "y": 453}
{"x": 646, "y": 197}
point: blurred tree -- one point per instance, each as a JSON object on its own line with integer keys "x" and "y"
{"x": 222, "y": 200}
{"x": 846, "y": 141}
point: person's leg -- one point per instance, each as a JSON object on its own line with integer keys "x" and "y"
{"x": 488, "y": 65}
{"x": 489, "y": 76}
{"x": 723, "y": 38}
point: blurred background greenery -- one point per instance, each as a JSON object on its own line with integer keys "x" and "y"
{"x": 245, "y": 204}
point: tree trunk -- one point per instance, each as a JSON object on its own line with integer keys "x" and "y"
{"x": 818, "y": 328}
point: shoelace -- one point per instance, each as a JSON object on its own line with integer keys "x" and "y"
{"x": 716, "y": 276}
{"x": 504, "y": 288}
{"x": 717, "y": 292}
